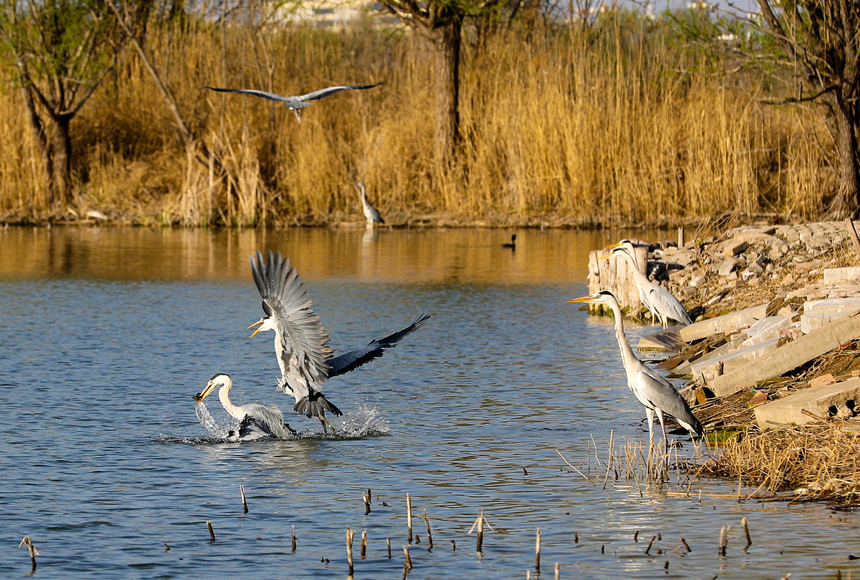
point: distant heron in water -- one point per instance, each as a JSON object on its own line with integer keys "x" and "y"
{"x": 513, "y": 244}
{"x": 370, "y": 213}
{"x": 655, "y": 297}
{"x": 255, "y": 421}
{"x": 650, "y": 388}
{"x": 301, "y": 342}
{"x": 296, "y": 103}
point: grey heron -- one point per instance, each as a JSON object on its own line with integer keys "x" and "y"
{"x": 295, "y": 103}
{"x": 513, "y": 245}
{"x": 650, "y": 388}
{"x": 654, "y": 296}
{"x": 370, "y": 213}
{"x": 255, "y": 421}
{"x": 301, "y": 342}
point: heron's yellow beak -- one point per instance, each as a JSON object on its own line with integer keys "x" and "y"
{"x": 606, "y": 257}
{"x": 583, "y": 299}
{"x": 205, "y": 392}
{"x": 261, "y": 321}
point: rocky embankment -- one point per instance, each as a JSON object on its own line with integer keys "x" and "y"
{"x": 775, "y": 342}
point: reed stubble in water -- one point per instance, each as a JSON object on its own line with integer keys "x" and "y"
{"x": 211, "y": 531}
{"x": 537, "y": 551}
{"x": 349, "y": 535}
{"x": 244, "y": 503}
{"x": 26, "y": 541}
{"x": 429, "y": 531}
{"x": 409, "y": 516}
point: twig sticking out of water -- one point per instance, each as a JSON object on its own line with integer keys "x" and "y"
{"x": 686, "y": 545}
{"x": 349, "y": 535}
{"x": 33, "y": 551}
{"x": 407, "y": 564}
{"x": 211, "y": 532}
{"x": 574, "y": 467}
{"x": 651, "y": 543}
{"x": 746, "y": 533}
{"x": 409, "y": 516}
{"x": 429, "y": 531}
{"x": 537, "y": 551}
{"x": 557, "y": 571}
{"x": 724, "y": 539}
{"x": 363, "y": 544}
{"x": 244, "y": 503}
{"x": 479, "y": 523}
{"x": 166, "y": 547}
{"x": 388, "y": 544}
{"x": 453, "y": 545}
{"x": 575, "y": 538}
{"x": 366, "y": 498}
{"x": 636, "y": 536}
{"x": 293, "y": 537}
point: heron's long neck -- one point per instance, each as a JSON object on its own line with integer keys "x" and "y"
{"x": 627, "y": 356}
{"x": 224, "y": 396}
{"x": 637, "y": 273}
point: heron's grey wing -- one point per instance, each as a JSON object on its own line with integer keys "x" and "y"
{"x": 254, "y": 92}
{"x": 665, "y": 303}
{"x": 268, "y": 420}
{"x": 376, "y": 348}
{"x": 332, "y": 90}
{"x": 301, "y": 342}
{"x": 656, "y": 392}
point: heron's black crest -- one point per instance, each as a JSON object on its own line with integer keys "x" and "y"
{"x": 605, "y": 293}
{"x": 212, "y": 378}
{"x": 266, "y": 308}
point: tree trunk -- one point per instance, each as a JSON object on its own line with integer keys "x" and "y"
{"x": 846, "y": 204}
{"x": 41, "y": 140}
{"x": 446, "y": 40}
{"x": 62, "y": 150}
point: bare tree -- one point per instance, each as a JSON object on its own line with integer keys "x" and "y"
{"x": 442, "y": 22}
{"x": 60, "y": 51}
{"x": 821, "y": 40}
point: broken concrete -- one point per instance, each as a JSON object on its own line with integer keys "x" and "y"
{"x": 788, "y": 356}
{"x": 727, "y": 323}
{"x": 835, "y": 275}
{"x": 839, "y": 399}
{"x": 667, "y": 339}
{"x": 731, "y": 360}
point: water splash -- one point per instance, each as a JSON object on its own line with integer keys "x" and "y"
{"x": 209, "y": 423}
{"x": 363, "y": 422}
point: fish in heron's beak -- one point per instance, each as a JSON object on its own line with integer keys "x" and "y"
{"x": 261, "y": 321}
{"x": 210, "y": 386}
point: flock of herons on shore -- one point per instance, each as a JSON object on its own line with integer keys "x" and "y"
{"x": 306, "y": 361}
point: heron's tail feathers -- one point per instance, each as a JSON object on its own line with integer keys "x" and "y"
{"x": 297, "y": 104}
{"x": 692, "y": 424}
{"x": 315, "y": 405}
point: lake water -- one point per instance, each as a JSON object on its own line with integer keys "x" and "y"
{"x": 107, "y": 334}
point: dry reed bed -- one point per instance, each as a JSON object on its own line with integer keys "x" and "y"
{"x": 814, "y": 462}
{"x": 556, "y": 130}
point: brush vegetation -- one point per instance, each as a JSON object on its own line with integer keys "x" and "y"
{"x": 625, "y": 122}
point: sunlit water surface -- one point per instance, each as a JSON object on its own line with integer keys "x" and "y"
{"x": 107, "y": 335}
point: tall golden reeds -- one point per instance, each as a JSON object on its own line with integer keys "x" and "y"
{"x": 558, "y": 128}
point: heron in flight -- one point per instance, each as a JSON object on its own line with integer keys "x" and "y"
{"x": 255, "y": 421}
{"x": 370, "y": 213}
{"x": 301, "y": 342}
{"x": 653, "y": 296}
{"x": 650, "y": 388}
{"x": 295, "y": 103}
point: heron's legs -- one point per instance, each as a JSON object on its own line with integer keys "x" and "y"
{"x": 325, "y": 422}
{"x": 650, "y": 414}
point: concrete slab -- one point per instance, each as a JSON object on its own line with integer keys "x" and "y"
{"x": 731, "y": 360}
{"x": 827, "y": 400}
{"x": 727, "y": 323}
{"x": 767, "y": 329}
{"x": 832, "y": 306}
{"x": 834, "y": 275}
{"x": 668, "y": 339}
{"x": 811, "y": 322}
{"x": 788, "y": 356}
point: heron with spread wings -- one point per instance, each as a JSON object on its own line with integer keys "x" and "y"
{"x": 301, "y": 342}
{"x": 295, "y": 103}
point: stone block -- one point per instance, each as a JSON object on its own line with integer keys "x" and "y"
{"x": 832, "y": 306}
{"x": 824, "y": 401}
{"x": 727, "y": 267}
{"x": 732, "y": 360}
{"x": 734, "y": 247}
{"x": 834, "y": 275}
{"x": 728, "y": 323}
{"x": 766, "y": 329}
{"x": 810, "y": 322}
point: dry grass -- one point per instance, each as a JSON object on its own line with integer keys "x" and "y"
{"x": 556, "y": 131}
{"x": 815, "y": 462}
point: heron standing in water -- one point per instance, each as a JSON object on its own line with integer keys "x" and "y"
{"x": 370, "y": 213}
{"x": 650, "y": 388}
{"x": 255, "y": 421}
{"x": 301, "y": 342}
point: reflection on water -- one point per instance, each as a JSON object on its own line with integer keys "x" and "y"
{"x": 109, "y": 334}
{"x": 454, "y": 256}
